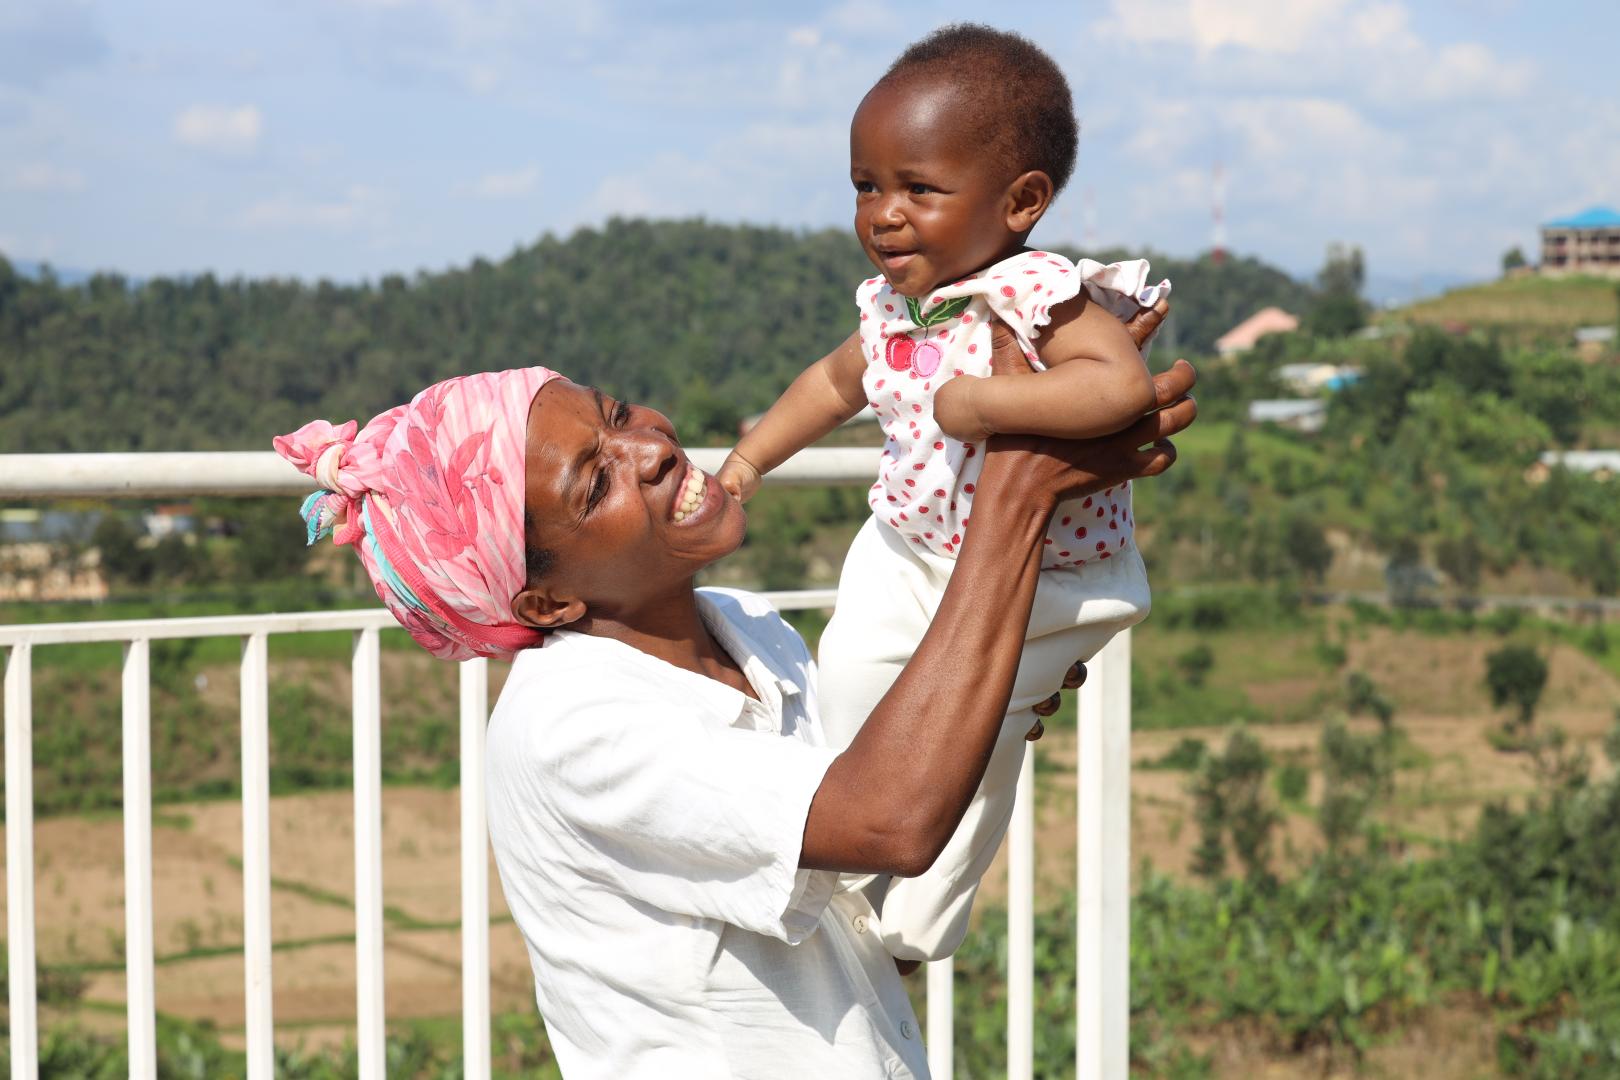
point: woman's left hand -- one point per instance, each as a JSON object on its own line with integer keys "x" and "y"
{"x": 1071, "y": 681}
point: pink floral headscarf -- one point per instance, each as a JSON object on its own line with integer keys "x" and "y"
{"x": 430, "y": 495}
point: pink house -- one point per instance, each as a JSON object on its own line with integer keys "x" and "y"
{"x": 1241, "y": 338}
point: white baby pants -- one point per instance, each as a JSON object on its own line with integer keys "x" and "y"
{"x": 887, "y": 595}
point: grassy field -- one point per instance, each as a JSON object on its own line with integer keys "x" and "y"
{"x": 1531, "y": 305}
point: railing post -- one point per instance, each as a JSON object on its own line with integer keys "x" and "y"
{"x": 139, "y": 991}
{"x": 941, "y": 1019}
{"x": 474, "y": 873}
{"x": 23, "y": 1011}
{"x": 368, "y": 903}
{"x": 258, "y": 990}
{"x": 1103, "y": 824}
{"x": 1021, "y": 926}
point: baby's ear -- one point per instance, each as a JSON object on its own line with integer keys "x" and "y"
{"x": 1028, "y": 196}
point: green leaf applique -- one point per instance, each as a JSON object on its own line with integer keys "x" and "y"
{"x": 950, "y": 309}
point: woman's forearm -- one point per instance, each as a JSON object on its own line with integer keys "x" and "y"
{"x": 891, "y": 801}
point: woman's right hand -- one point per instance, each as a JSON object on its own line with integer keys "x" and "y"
{"x": 1058, "y": 469}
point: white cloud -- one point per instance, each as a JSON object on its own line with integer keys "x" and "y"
{"x": 1207, "y": 25}
{"x": 1358, "y": 50}
{"x": 43, "y": 177}
{"x": 35, "y": 249}
{"x": 222, "y": 129}
{"x": 505, "y": 185}
{"x": 360, "y": 208}
{"x": 740, "y": 177}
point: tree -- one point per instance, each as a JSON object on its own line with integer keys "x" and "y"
{"x": 1461, "y": 558}
{"x": 1195, "y": 664}
{"x": 175, "y": 560}
{"x": 1338, "y": 310}
{"x": 1516, "y": 675}
{"x": 270, "y": 539}
{"x": 1307, "y": 547}
{"x": 1354, "y": 772}
{"x": 1513, "y": 259}
{"x": 123, "y": 559}
{"x": 1229, "y": 799}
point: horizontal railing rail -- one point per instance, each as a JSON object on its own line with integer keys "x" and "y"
{"x": 262, "y": 472}
{"x": 1102, "y": 817}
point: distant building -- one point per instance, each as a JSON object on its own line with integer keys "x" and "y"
{"x": 1298, "y": 414}
{"x": 1594, "y": 342}
{"x": 174, "y": 520}
{"x": 1598, "y": 464}
{"x": 1588, "y": 243}
{"x": 1314, "y": 378}
{"x": 1241, "y": 338}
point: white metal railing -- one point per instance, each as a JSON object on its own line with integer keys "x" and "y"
{"x": 1102, "y": 812}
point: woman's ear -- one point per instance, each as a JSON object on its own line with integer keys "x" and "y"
{"x": 542, "y": 609}
{"x": 1028, "y": 196}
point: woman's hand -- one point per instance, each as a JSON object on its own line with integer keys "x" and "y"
{"x": 1115, "y": 457}
{"x": 1075, "y": 678}
{"x": 1059, "y": 469}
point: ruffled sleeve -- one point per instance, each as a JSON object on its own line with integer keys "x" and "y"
{"x": 1123, "y": 288}
{"x": 1024, "y": 289}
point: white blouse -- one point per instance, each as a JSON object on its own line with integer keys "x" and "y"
{"x": 647, "y": 823}
{"x": 926, "y": 482}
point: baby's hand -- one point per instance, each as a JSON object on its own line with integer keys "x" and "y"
{"x": 954, "y": 411}
{"x": 739, "y": 477}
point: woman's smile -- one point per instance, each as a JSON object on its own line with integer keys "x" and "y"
{"x": 695, "y": 499}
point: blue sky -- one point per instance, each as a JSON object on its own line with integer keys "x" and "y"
{"x": 351, "y": 138}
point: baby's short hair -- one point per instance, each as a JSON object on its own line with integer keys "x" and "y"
{"x": 1019, "y": 101}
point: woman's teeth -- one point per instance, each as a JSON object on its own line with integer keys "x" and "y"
{"x": 691, "y": 495}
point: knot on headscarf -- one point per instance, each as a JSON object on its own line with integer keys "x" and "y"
{"x": 317, "y": 449}
{"x": 430, "y": 495}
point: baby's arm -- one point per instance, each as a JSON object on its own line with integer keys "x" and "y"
{"x": 1096, "y": 383}
{"x": 827, "y": 393}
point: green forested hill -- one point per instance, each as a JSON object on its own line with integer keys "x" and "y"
{"x": 708, "y": 322}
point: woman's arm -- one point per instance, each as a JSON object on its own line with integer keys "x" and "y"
{"x": 889, "y": 803}
{"x": 1095, "y": 384}
{"x": 825, "y": 394}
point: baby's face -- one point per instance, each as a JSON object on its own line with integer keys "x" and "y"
{"x": 930, "y": 206}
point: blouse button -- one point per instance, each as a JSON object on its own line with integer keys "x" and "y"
{"x": 906, "y": 1030}
{"x": 859, "y": 923}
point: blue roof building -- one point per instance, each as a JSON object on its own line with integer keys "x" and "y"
{"x": 1584, "y": 243}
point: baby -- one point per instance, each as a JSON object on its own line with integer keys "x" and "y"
{"x": 955, "y": 155}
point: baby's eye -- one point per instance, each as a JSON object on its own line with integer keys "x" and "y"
{"x": 921, "y": 189}
{"x": 865, "y": 187}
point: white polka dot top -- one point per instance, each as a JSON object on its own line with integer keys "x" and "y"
{"x": 927, "y": 480}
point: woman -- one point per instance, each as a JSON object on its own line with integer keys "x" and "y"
{"x": 669, "y": 826}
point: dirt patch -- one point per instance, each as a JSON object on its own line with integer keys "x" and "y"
{"x": 1446, "y": 1042}
{"x": 1435, "y": 675}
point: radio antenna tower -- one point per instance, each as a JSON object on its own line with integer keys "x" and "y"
{"x": 1217, "y": 252}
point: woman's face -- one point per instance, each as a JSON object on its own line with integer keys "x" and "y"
{"x": 610, "y": 493}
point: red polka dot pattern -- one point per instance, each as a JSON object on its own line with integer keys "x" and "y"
{"x": 921, "y": 462}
